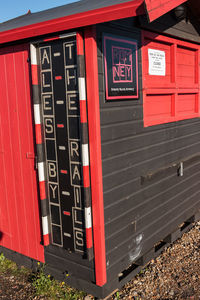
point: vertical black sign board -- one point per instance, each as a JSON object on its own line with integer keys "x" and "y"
{"x": 120, "y": 67}
{"x": 61, "y": 118}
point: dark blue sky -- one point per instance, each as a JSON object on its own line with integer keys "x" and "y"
{"x": 14, "y": 8}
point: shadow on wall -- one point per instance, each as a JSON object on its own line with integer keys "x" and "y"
{"x": 1, "y": 235}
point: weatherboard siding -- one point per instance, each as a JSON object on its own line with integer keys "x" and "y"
{"x": 144, "y": 198}
{"x": 185, "y": 29}
{"x": 65, "y": 262}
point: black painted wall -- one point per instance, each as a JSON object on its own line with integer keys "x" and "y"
{"x": 144, "y": 198}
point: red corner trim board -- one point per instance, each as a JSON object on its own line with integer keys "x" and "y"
{"x": 95, "y": 155}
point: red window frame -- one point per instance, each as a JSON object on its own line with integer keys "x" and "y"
{"x": 175, "y": 99}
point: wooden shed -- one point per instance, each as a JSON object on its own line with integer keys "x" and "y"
{"x": 99, "y": 136}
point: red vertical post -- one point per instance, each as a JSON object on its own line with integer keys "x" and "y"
{"x": 95, "y": 154}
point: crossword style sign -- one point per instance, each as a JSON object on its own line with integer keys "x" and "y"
{"x": 61, "y": 118}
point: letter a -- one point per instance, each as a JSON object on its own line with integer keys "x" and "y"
{"x": 76, "y": 173}
{"x": 45, "y": 56}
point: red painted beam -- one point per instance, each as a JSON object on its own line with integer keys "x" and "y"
{"x": 157, "y": 8}
{"x": 114, "y": 12}
{"x": 95, "y": 155}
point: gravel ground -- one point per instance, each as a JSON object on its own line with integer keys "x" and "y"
{"x": 16, "y": 288}
{"x": 175, "y": 274}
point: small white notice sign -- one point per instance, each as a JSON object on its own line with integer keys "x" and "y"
{"x": 157, "y": 62}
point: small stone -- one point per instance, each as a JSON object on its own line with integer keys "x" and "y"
{"x": 171, "y": 293}
{"x": 88, "y": 297}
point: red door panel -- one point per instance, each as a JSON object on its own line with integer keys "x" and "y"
{"x": 19, "y": 211}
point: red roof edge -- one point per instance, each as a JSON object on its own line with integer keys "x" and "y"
{"x": 157, "y": 8}
{"x": 106, "y": 14}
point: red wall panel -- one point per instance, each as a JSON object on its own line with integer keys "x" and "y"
{"x": 172, "y": 96}
{"x": 159, "y": 108}
{"x": 19, "y": 211}
{"x": 186, "y": 104}
{"x": 166, "y": 80}
{"x": 186, "y": 67}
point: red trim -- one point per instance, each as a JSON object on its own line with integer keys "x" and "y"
{"x": 80, "y": 44}
{"x": 60, "y": 126}
{"x": 38, "y": 134}
{"x": 86, "y": 176}
{"x": 51, "y": 39}
{"x": 83, "y": 111}
{"x": 42, "y": 185}
{"x": 89, "y": 240}
{"x": 63, "y": 171}
{"x": 58, "y": 77}
{"x": 155, "y": 9}
{"x": 95, "y": 154}
{"x": 67, "y": 213}
{"x": 46, "y": 239}
{"x": 34, "y": 71}
{"x": 119, "y": 11}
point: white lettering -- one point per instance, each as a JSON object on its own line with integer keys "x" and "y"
{"x": 53, "y": 188}
{"x": 79, "y": 238}
{"x": 44, "y": 84}
{"x": 76, "y": 173}
{"x": 52, "y": 169}
{"x": 45, "y": 56}
{"x": 47, "y": 102}
{"x": 74, "y": 148}
{"x": 71, "y": 77}
{"x": 72, "y": 103}
{"x": 48, "y": 126}
{"x": 69, "y": 46}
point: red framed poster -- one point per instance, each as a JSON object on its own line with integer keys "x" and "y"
{"x": 120, "y": 67}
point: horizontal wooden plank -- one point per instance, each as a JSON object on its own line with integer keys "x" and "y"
{"x": 125, "y": 192}
{"x": 149, "y": 213}
{"x": 125, "y": 144}
{"x": 145, "y": 200}
{"x": 129, "y": 173}
{"x": 124, "y": 129}
{"x": 117, "y": 115}
{"x": 122, "y": 260}
{"x": 77, "y": 258}
{"x": 131, "y": 158}
{"x": 69, "y": 266}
